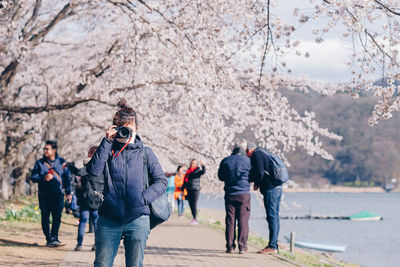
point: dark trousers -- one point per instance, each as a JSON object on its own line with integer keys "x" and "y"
{"x": 193, "y": 197}
{"x": 272, "y": 199}
{"x": 51, "y": 204}
{"x": 237, "y": 209}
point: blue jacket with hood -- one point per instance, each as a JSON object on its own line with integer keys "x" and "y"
{"x": 124, "y": 197}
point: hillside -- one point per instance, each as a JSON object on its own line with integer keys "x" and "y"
{"x": 366, "y": 155}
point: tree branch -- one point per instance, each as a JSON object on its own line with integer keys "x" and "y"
{"x": 391, "y": 10}
{"x": 65, "y": 12}
{"x": 140, "y": 85}
{"x": 167, "y": 20}
{"x": 47, "y": 108}
{"x": 8, "y": 73}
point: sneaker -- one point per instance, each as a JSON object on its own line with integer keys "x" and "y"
{"x": 243, "y": 251}
{"x": 50, "y": 244}
{"x": 78, "y": 248}
{"x": 194, "y": 222}
{"x": 94, "y": 248}
{"x": 58, "y": 243}
{"x": 268, "y": 250}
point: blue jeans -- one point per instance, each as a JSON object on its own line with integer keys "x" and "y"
{"x": 83, "y": 219}
{"x": 108, "y": 236}
{"x": 272, "y": 199}
{"x": 180, "y": 205}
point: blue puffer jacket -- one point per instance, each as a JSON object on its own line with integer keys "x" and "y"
{"x": 53, "y": 186}
{"x": 124, "y": 198}
{"x": 234, "y": 171}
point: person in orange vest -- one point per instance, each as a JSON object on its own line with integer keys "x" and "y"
{"x": 180, "y": 193}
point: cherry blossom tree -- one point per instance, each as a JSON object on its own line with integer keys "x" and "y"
{"x": 199, "y": 74}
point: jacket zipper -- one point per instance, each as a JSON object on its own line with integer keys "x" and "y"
{"x": 125, "y": 183}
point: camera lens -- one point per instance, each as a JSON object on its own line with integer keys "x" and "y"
{"x": 124, "y": 132}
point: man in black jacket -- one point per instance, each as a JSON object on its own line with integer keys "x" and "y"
{"x": 234, "y": 171}
{"x": 260, "y": 169}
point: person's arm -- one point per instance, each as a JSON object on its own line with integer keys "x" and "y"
{"x": 35, "y": 175}
{"x": 77, "y": 171}
{"x": 160, "y": 182}
{"x": 221, "y": 171}
{"x": 66, "y": 179}
{"x": 257, "y": 168}
{"x": 202, "y": 171}
{"x": 99, "y": 159}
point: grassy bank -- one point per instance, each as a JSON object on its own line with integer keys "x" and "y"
{"x": 22, "y": 242}
{"x": 215, "y": 219}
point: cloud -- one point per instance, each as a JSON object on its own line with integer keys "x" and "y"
{"x": 327, "y": 61}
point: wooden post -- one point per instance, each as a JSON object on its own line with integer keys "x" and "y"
{"x": 292, "y": 234}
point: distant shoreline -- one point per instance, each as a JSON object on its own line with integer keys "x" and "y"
{"x": 337, "y": 189}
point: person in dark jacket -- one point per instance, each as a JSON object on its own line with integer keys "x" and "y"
{"x": 53, "y": 179}
{"x": 85, "y": 212}
{"x": 260, "y": 168}
{"x": 192, "y": 185}
{"x": 234, "y": 172}
{"x": 125, "y": 211}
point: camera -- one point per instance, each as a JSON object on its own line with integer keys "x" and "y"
{"x": 123, "y": 132}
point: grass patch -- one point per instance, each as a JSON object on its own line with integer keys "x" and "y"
{"x": 23, "y": 213}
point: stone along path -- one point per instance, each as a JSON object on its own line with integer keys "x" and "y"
{"x": 176, "y": 243}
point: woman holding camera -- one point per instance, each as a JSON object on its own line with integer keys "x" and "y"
{"x": 124, "y": 214}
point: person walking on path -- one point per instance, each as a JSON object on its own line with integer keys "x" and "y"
{"x": 260, "y": 168}
{"x": 192, "y": 185}
{"x": 53, "y": 179}
{"x": 234, "y": 172}
{"x": 171, "y": 189}
{"x": 180, "y": 193}
{"x": 85, "y": 211}
{"x": 124, "y": 213}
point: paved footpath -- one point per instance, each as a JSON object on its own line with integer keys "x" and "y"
{"x": 176, "y": 243}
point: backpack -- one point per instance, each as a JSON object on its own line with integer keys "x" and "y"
{"x": 160, "y": 209}
{"x": 279, "y": 173}
{"x": 93, "y": 190}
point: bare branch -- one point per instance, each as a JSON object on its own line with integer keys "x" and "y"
{"x": 391, "y": 10}
{"x": 140, "y": 85}
{"x": 47, "y": 108}
{"x": 65, "y": 12}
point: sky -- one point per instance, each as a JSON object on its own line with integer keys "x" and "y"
{"x": 327, "y": 61}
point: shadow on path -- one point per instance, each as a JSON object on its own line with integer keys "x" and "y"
{"x": 193, "y": 252}
{"x": 7, "y": 242}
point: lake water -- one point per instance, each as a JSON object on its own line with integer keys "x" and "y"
{"x": 368, "y": 243}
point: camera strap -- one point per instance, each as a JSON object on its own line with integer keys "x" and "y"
{"x": 55, "y": 173}
{"x": 121, "y": 148}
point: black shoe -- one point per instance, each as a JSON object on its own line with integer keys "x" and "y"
{"x": 229, "y": 251}
{"x": 94, "y": 248}
{"x": 58, "y": 243}
{"x": 51, "y": 244}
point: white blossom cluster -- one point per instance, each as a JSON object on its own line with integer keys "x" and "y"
{"x": 199, "y": 74}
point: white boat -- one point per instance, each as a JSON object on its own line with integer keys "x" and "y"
{"x": 320, "y": 246}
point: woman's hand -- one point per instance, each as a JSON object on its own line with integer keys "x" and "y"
{"x": 111, "y": 133}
